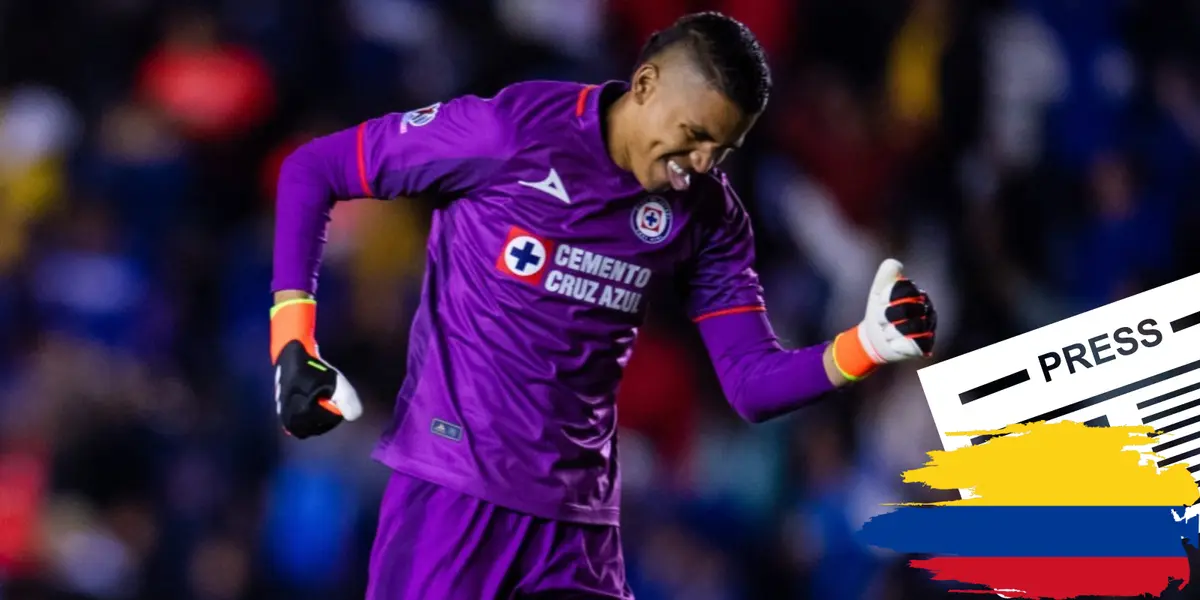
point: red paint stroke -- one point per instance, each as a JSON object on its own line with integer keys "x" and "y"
{"x": 1058, "y": 577}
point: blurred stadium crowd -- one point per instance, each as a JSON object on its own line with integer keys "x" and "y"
{"x": 1027, "y": 159}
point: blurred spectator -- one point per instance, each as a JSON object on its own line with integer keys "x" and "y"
{"x": 1024, "y": 71}
{"x": 658, "y": 396}
{"x": 23, "y": 477}
{"x": 402, "y": 48}
{"x": 839, "y": 498}
{"x": 220, "y": 569}
{"x": 214, "y": 90}
{"x": 86, "y": 284}
{"x": 38, "y": 130}
{"x": 832, "y": 135}
{"x": 678, "y": 565}
{"x": 773, "y": 21}
{"x": 139, "y": 164}
{"x": 572, "y": 29}
{"x": 914, "y": 71}
{"x": 1098, "y": 82}
{"x": 1122, "y": 242}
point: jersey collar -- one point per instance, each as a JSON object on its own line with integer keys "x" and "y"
{"x": 589, "y": 118}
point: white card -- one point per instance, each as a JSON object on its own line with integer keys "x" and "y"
{"x": 1133, "y": 362}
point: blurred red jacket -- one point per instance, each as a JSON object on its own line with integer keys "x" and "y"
{"x": 214, "y": 93}
{"x": 772, "y": 21}
{"x": 658, "y": 395}
{"x": 23, "y": 481}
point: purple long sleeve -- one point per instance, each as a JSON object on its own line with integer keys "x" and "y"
{"x": 760, "y": 378}
{"x": 445, "y": 149}
{"x": 310, "y": 181}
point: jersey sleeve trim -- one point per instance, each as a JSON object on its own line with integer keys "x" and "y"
{"x": 581, "y": 103}
{"x": 737, "y": 310}
{"x": 362, "y": 162}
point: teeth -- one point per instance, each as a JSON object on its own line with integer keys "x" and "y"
{"x": 678, "y": 170}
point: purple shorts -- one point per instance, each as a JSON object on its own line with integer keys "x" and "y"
{"x": 435, "y": 543}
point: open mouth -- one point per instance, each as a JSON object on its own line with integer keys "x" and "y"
{"x": 679, "y": 178}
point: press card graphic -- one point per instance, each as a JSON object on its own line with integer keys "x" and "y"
{"x": 1074, "y": 449}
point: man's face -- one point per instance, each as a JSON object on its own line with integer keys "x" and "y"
{"x": 685, "y": 126}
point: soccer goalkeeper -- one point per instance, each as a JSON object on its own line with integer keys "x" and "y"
{"x": 564, "y": 209}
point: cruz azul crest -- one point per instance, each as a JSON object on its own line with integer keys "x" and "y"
{"x": 652, "y": 220}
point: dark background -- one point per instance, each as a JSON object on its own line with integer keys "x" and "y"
{"x": 1027, "y": 160}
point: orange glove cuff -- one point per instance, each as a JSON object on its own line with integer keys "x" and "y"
{"x": 294, "y": 320}
{"x": 849, "y": 356}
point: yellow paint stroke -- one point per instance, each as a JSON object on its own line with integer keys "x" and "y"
{"x": 1059, "y": 464}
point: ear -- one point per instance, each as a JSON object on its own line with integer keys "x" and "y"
{"x": 645, "y": 82}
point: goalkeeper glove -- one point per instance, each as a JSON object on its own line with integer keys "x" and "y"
{"x": 311, "y": 397}
{"x": 899, "y": 325}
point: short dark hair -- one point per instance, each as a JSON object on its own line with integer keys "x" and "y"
{"x": 725, "y": 51}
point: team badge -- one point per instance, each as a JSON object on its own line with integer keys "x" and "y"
{"x": 524, "y": 256}
{"x": 652, "y": 220}
{"x": 420, "y": 117}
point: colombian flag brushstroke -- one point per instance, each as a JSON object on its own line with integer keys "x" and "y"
{"x": 1058, "y": 510}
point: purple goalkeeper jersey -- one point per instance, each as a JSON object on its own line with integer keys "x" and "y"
{"x": 540, "y": 267}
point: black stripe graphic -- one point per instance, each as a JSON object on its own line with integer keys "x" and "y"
{"x": 1184, "y": 322}
{"x": 1167, "y": 396}
{"x": 1177, "y": 441}
{"x": 1100, "y": 421}
{"x": 1109, "y": 395}
{"x": 1171, "y": 411}
{"x": 1193, "y": 469}
{"x": 993, "y": 387}
{"x": 1181, "y": 424}
{"x": 1181, "y": 457}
